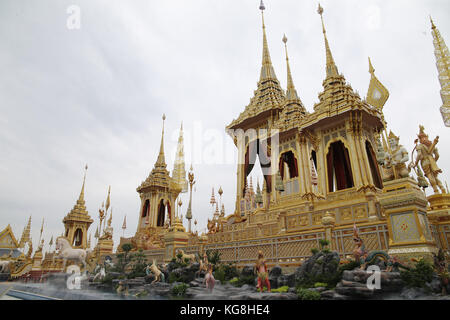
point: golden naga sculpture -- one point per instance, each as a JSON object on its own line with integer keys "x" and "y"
{"x": 428, "y": 154}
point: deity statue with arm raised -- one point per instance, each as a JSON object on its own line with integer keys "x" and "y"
{"x": 428, "y": 154}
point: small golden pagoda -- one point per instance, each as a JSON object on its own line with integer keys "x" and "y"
{"x": 77, "y": 221}
{"x": 158, "y": 194}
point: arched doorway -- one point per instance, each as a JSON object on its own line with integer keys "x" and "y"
{"x": 339, "y": 168}
{"x": 288, "y": 159}
{"x": 77, "y": 238}
{"x": 161, "y": 214}
{"x": 375, "y": 170}
{"x": 258, "y": 148}
{"x": 146, "y": 208}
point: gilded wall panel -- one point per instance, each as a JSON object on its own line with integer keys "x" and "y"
{"x": 404, "y": 227}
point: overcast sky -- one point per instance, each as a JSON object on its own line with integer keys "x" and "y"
{"x": 96, "y": 94}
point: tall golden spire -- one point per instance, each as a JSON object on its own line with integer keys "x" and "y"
{"x": 179, "y": 169}
{"x": 25, "y": 234}
{"x": 293, "y": 107}
{"x": 442, "y": 63}
{"x": 161, "y": 161}
{"x": 291, "y": 92}
{"x": 331, "y": 68}
{"x": 267, "y": 71}
{"x": 81, "y": 197}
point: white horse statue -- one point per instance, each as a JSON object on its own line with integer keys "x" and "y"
{"x": 4, "y": 266}
{"x": 66, "y": 252}
{"x": 100, "y": 273}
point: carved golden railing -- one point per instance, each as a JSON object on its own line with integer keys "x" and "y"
{"x": 375, "y": 237}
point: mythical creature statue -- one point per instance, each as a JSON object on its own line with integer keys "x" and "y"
{"x": 440, "y": 265}
{"x": 428, "y": 155}
{"x": 366, "y": 258}
{"x": 66, "y": 252}
{"x": 209, "y": 279}
{"x": 262, "y": 272}
{"x": 203, "y": 264}
{"x": 4, "y": 266}
{"x": 212, "y": 226}
{"x": 395, "y": 159}
{"x": 190, "y": 257}
{"x": 122, "y": 289}
{"x": 359, "y": 252}
{"x": 159, "y": 276}
{"x": 30, "y": 249}
{"x": 99, "y": 272}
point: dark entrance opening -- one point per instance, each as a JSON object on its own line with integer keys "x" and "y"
{"x": 338, "y": 167}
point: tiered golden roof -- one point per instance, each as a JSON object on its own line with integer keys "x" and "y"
{"x": 79, "y": 211}
{"x": 338, "y": 96}
{"x": 293, "y": 109}
{"x": 269, "y": 95}
{"x": 159, "y": 177}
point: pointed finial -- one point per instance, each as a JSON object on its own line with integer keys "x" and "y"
{"x": 320, "y": 9}
{"x": 124, "y": 225}
{"x": 267, "y": 71}
{"x": 81, "y": 197}
{"x": 284, "y": 39}
{"x": 161, "y": 161}
{"x": 432, "y": 23}
{"x": 371, "y": 69}
{"x": 261, "y": 6}
{"x": 331, "y": 67}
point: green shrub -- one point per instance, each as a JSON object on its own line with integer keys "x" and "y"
{"x": 179, "y": 290}
{"x": 213, "y": 257}
{"x": 326, "y": 251}
{"x": 173, "y": 277}
{"x": 226, "y": 272}
{"x": 323, "y": 243}
{"x": 320, "y": 284}
{"x": 349, "y": 266}
{"x": 305, "y": 294}
{"x": 314, "y": 251}
{"x": 250, "y": 280}
{"x": 234, "y": 281}
{"x": 419, "y": 275}
{"x": 139, "y": 263}
{"x": 179, "y": 255}
{"x": 281, "y": 289}
{"x": 219, "y": 274}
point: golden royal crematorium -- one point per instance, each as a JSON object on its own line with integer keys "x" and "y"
{"x": 326, "y": 173}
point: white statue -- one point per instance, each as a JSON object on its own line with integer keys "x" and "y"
{"x": 4, "y": 266}
{"x": 99, "y": 272}
{"x": 395, "y": 159}
{"x": 65, "y": 251}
